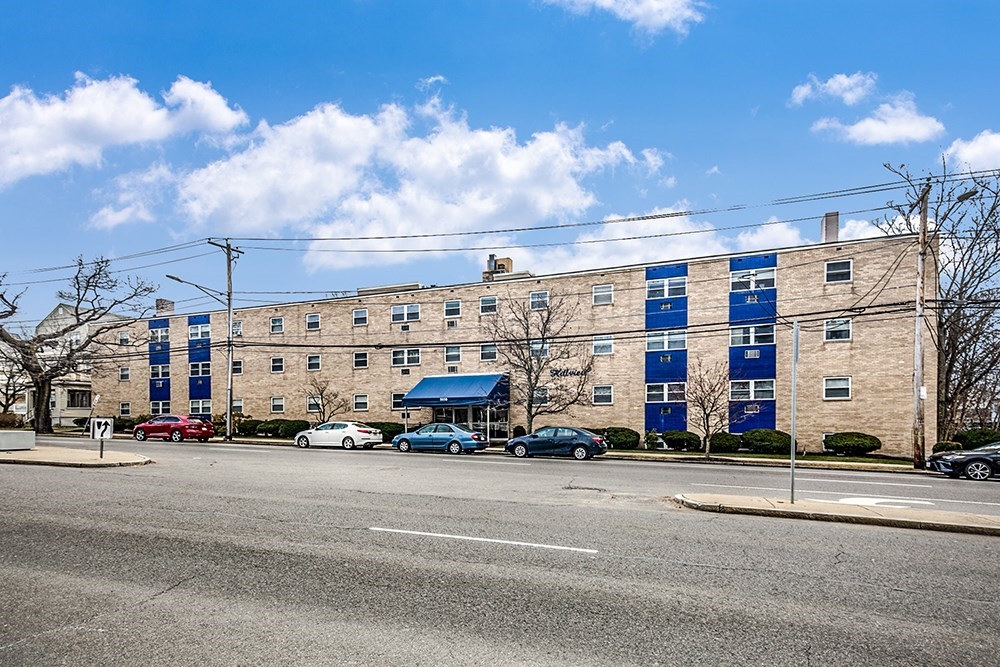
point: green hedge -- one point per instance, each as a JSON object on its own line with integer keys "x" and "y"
{"x": 619, "y": 437}
{"x": 767, "y": 441}
{"x": 977, "y": 437}
{"x": 124, "y": 424}
{"x": 946, "y": 446}
{"x": 80, "y": 422}
{"x": 248, "y": 427}
{"x": 519, "y": 431}
{"x": 852, "y": 443}
{"x": 290, "y": 427}
{"x": 389, "y": 429}
{"x": 682, "y": 440}
{"x": 9, "y": 420}
{"x": 725, "y": 443}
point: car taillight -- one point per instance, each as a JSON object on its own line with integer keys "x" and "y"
{"x": 478, "y": 436}
{"x": 364, "y": 430}
{"x": 599, "y": 440}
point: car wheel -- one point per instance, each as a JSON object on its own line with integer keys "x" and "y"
{"x": 520, "y": 450}
{"x": 580, "y": 453}
{"x": 348, "y": 443}
{"x": 202, "y": 439}
{"x": 302, "y": 442}
{"x": 139, "y": 435}
{"x": 454, "y": 447}
{"x": 978, "y": 470}
{"x": 404, "y": 445}
{"x": 176, "y": 436}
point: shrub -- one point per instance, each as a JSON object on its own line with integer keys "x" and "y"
{"x": 289, "y": 427}
{"x": 977, "y": 437}
{"x": 80, "y": 422}
{"x": 946, "y": 446}
{"x": 652, "y": 439}
{"x": 389, "y": 429}
{"x": 620, "y": 437}
{"x": 519, "y": 431}
{"x": 852, "y": 443}
{"x": 124, "y": 424}
{"x": 139, "y": 419}
{"x": 681, "y": 440}
{"x": 725, "y": 443}
{"x": 767, "y": 441}
{"x": 248, "y": 426}
{"x": 9, "y": 420}
{"x": 270, "y": 427}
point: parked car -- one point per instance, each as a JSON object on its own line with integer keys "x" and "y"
{"x": 976, "y": 464}
{"x": 558, "y": 441}
{"x": 451, "y": 438}
{"x": 175, "y": 428}
{"x": 344, "y": 434}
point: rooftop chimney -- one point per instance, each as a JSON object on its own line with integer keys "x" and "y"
{"x": 829, "y": 231}
{"x": 164, "y": 307}
{"x": 496, "y": 267}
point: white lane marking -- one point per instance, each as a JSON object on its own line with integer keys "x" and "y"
{"x": 870, "y": 502}
{"x": 483, "y": 539}
{"x": 482, "y": 460}
{"x": 840, "y": 493}
{"x": 850, "y": 481}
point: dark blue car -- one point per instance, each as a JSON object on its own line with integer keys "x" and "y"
{"x": 558, "y": 441}
{"x": 451, "y": 438}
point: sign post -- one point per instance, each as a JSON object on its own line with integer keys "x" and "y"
{"x": 101, "y": 428}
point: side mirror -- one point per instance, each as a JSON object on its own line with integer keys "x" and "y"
{"x": 533, "y": 435}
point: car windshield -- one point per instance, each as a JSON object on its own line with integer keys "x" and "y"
{"x": 992, "y": 447}
{"x": 463, "y": 427}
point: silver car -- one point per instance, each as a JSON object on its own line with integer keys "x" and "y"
{"x": 340, "y": 434}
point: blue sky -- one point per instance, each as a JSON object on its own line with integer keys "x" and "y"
{"x": 128, "y": 127}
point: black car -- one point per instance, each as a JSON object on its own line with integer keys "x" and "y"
{"x": 558, "y": 441}
{"x": 976, "y": 464}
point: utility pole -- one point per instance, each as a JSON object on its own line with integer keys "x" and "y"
{"x": 231, "y": 254}
{"x": 919, "y": 391}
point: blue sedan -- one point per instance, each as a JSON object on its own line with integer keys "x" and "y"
{"x": 451, "y": 438}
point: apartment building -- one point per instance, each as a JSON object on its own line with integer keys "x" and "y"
{"x": 644, "y": 326}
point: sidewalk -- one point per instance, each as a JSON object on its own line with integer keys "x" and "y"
{"x": 814, "y": 510}
{"x": 74, "y": 458}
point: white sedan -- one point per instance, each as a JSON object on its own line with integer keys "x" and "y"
{"x": 344, "y": 434}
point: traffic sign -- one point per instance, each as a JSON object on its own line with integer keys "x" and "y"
{"x": 101, "y": 428}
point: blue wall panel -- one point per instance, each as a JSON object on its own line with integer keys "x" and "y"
{"x": 674, "y": 370}
{"x": 740, "y": 421}
{"x": 763, "y": 311}
{"x": 763, "y": 368}
{"x": 199, "y": 387}
{"x": 666, "y": 313}
{"x": 199, "y": 350}
{"x": 667, "y": 271}
{"x": 159, "y": 353}
{"x": 767, "y": 261}
{"x": 669, "y": 313}
{"x": 197, "y": 319}
{"x": 676, "y": 420}
{"x": 160, "y": 324}
{"x": 159, "y": 390}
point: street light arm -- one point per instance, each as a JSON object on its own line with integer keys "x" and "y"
{"x": 214, "y": 293}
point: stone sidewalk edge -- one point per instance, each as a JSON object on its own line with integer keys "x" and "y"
{"x": 974, "y": 529}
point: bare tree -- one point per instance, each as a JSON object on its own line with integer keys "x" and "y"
{"x": 707, "y": 394}
{"x": 550, "y": 370}
{"x": 97, "y": 300}
{"x": 964, "y": 212}
{"x": 13, "y": 382}
{"x": 328, "y": 400}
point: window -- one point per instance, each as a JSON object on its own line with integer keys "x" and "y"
{"x": 604, "y": 295}
{"x": 839, "y": 329}
{"x": 237, "y": 328}
{"x": 277, "y": 404}
{"x": 750, "y": 279}
{"x": 313, "y": 362}
{"x": 840, "y": 271}
{"x": 452, "y": 354}
{"x": 360, "y": 402}
{"x": 664, "y": 287}
{"x": 278, "y": 326}
{"x": 312, "y": 322}
{"x": 159, "y": 335}
{"x": 313, "y": 404}
{"x": 540, "y": 396}
{"x": 603, "y": 394}
{"x": 666, "y": 340}
{"x": 397, "y": 402}
{"x": 123, "y": 338}
{"x": 407, "y": 357}
{"x": 199, "y": 331}
{"x": 538, "y": 300}
{"x": 539, "y": 348}
{"x": 406, "y": 313}
{"x": 762, "y": 334}
{"x": 201, "y": 369}
{"x": 487, "y": 305}
{"x": 237, "y": 367}
{"x": 202, "y": 407}
{"x": 453, "y": 308}
{"x": 238, "y": 405}
{"x": 604, "y": 344}
{"x": 751, "y": 390}
{"x": 666, "y": 392}
{"x": 124, "y": 409}
{"x": 159, "y": 371}
{"x": 277, "y": 364}
{"x": 124, "y": 373}
{"x": 487, "y": 352}
{"x": 837, "y": 389}
{"x": 159, "y": 407}
{"x": 361, "y": 360}
{"x": 78, "y": 398}
{"x": 360, "y": 317}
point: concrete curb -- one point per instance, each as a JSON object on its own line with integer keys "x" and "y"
{"x": 840, "y": 517}
{"x": 143, "y": 460}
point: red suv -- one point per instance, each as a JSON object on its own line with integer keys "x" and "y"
{"x": 174, "y": 428}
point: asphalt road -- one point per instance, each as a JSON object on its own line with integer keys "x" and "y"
{"x": 242, "y": 555}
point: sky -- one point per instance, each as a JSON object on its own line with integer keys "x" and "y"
{"x": 430, "y": 134}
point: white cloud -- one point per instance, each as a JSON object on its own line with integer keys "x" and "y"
{"x": 713, "y": 171}
{"x": 430, "y": 81}
{"x": 850, "y": 88}
{"x": 653, "y": 159}
{"x": 772, "y": 235}
{"x": 136, "y": 197}
{"x": 897, "y": 121}
{"x": 648, "y": 16}
{"x": 859, "y": 229}
{"x": 669, "y": 182}
{"x": 982, "y": 152}
{"x": 45, "y": 134}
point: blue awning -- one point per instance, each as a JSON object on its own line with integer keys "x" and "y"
{"x": 443, "y": 390}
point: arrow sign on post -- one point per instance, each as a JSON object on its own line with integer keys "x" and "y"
{"x": 101, "y": 428}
